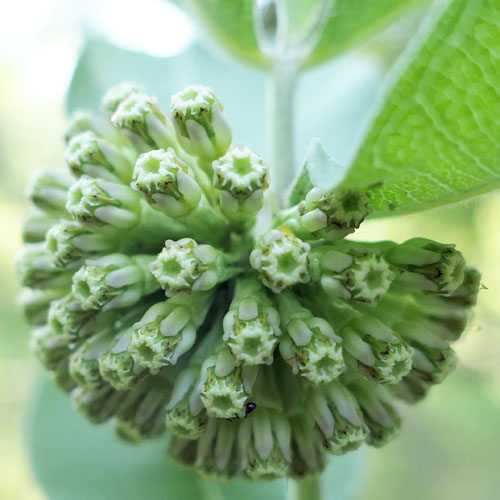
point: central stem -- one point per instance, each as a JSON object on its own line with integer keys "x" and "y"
{"x": 281, "y": 138}
{"x": 308, "y": 488}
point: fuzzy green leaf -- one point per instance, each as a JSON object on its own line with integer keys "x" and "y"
{"x": 435, "y": 139}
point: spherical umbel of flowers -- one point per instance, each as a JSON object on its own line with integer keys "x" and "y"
{"x": 158, "y": 304}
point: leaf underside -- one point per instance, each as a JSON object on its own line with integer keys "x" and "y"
{"x": 436, "y": 138}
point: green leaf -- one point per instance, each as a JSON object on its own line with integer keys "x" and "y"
{"x": 230, "y": 22}
{"x": 435, "y": 139}
{"x": 319, "y": 170}
{"x": 73, "y": 459}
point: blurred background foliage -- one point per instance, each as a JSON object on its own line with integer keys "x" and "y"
{"x": 449, "y": 446}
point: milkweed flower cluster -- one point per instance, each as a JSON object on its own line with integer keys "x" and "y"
{"x": 158, "y": 304}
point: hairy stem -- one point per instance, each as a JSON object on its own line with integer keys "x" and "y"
{"x": 308, "y": 488}
{"x": 280, "y": 135}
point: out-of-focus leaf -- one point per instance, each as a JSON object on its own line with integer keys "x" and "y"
{"x": 435, "y": 138}
{"x": 75, "y": 460}
{"x": 350, "y": 22}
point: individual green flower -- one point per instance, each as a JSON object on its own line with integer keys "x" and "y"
{"x": 429, "y": 266}
{"x": 36, "y": 225}
{"x": 201, "y": 127}
{"x": 168, "y": 330}
{"x": 241, "y": 176}
{"x": 82, "y": 120}
{"x": 281, "y": 260}
{"x": 338, "y": 417}
{"x": 226, "y": 386}
{"x": 113, "y": 281}
{"x": 70, "y": 243}
{"x": 36, "y": 303}
{"x": 251, "y": 326}
{"x": 310, "y": 346}
{"x": 351, "y": 272}
{"x": 88, "y": 154}
{"x": 115, "y": 95}
{"x": 97, "y": 405}
{"x": 143, "y": 123}
{"x": 48, "y": 191}
{"x": 50, "y": 349}
{"x": 186, "y": 266}
{"x": 379, "y": 413}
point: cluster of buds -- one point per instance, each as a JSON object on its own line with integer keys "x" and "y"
{"x": 158, "y": 304}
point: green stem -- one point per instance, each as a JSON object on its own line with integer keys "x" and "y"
{"x": 308, "y": 488}
{"x": 281, "y": 137}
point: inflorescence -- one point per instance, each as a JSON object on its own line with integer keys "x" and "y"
{"x": 158, "y": 304}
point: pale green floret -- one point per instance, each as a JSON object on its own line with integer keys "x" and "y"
{"x": 88, "y": 154}
{"x": 85, "y": 121}
{"x": 96, "y": 405}
{"x": 430, "y": 267}
{"x": 225, "y": 386}
{"x": 115, "y": 95}
{"x": 353, "y": 273}
{"x": 140, "y": 119}
{"x": 466, "y": 294}
{"x": 242, "y": 177}
{"x": 35, "y": 268}
{"x": 49, "y": 189}
{"x": 311, "y": 347}
{"x": 84, "y": 361}
{"x": 114, "y": 281}
{"x": 338, "y": 418}
{"x": 334, "y": 214}
{"x": 36, "y": 224}
{"x": 98, "y": 203}
{"x": 48, "y": 347}
{"x": 251, "y": 326}
{"x": 281, "y": 260}
{"x": 379, "y": 412}
{"x": 186, "y": 266}
{"x": 117, "y": 366}
{"x": 264, "y": 445}
{"x": 69, "y": 243}
{"x": 380, "y": 355}
{"x": 201, "y": 127}
{"x": 36, "y": 303}
{"x": 168, "y": 330}
{"x": 166, "y": 182}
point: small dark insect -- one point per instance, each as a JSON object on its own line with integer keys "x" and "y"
{"x": 250, "y": 407}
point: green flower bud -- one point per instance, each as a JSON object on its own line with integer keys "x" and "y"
{"x": 36, "y": 303}
{"x": 97, "y": 405}
{"x": 115, "y": 95}
{"x": 201, "y": 127}
{"x": 166, "y": 182}
{"x": 35, "y": 268}
{"x": 186, "y": 266}
{"x": 61, "y": 376}
{"x": 142, "y": 122}
{"x": 311, "y": 347}
{"x": 379, "y": 413}
{"x": 380, "y": 355}
{"x": 49, "y": 348}
{"x": 241, "y": 176}
{"x": 49, "y": 189}
{"x": 84, "y": 121}
{"x": 142, "y": 414}
{"x": 114, "y": 281}
{"x": 430, "y": 267}
{"x": 84, "y": 361}
{"x": 251, "y": 326}
{"x": 226, "y": 387}
{"x": 35, "y": 226}
{"x": 433, "y": 359}
{"x": 97, "y": 203}
{"x": 358, "y": 273}
{"x": 334, "y": 214}
{"x": 466, "y": 294}
{"x": 338, "y": 417}
{"x": 307, "y": 453}
{"x": 117, "y": 366}
{"x": 88, "y": 154}
{"x": 69, "y": 244}
{"x": 281, "y": 260}
{"x": 168, "y": 330}
{"x": 264, "y": 445}
{"x": 186, "y": 416}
